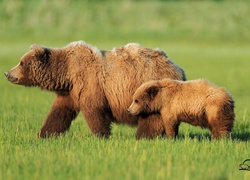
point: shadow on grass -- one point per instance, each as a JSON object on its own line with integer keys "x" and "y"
{"x": 240, "y": 136}
{"x": 193, "y": 136}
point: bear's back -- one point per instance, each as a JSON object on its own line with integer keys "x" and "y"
{"x": 126, "y": 68}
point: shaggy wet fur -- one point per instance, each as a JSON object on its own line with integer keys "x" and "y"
{"x": 197, "y": 102}
{"x": 98, "y": 83}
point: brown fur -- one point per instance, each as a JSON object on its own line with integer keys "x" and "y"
{"x": 98, "y": 83}
{"x": 197, "y": 102}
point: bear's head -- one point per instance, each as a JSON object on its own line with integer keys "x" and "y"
{"x": 25, "y": 71}
{"x": 145, "y": 99}
{"x": 40, "y": 67}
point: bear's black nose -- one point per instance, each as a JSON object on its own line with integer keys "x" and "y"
{"x": 6, "y": 74}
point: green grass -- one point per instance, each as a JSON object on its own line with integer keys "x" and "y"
{"x": 208, "y": 39}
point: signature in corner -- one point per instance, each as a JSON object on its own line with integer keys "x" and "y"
{"x": 245, "y": 165}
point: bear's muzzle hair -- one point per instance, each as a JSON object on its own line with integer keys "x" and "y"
{"x": 10, "y": 78}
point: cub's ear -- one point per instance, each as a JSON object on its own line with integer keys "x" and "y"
{"x": 42, "y": 53}
{"x": 152, "y": 92}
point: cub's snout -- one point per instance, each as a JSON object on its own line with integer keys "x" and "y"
{"x": 133, "y": 109}
{"x": 128, "y": 110}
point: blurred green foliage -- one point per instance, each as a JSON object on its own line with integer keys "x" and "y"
{"x": 158, "y": 20}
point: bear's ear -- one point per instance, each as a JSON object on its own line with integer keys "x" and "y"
{"x": 45, "y": 55}
{"x": 35, "y": 47}
{"x": 42, "y": 53}
{"x": 152, "y": 92}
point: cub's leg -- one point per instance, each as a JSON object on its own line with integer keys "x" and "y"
{"x": 59, "y": 118}
{"x": 171, "y": 125}
{"x": 221, "y": 127}
{"x": 221, "y": 120}
{"x": 217, "y": 134}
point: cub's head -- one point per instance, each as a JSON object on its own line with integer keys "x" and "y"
{"x": 28, "y": 69}
{"x": 145, "y": 99}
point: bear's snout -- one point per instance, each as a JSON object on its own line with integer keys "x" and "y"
{"x": 10, "y": 77}
{"x": 131, "y": 110}
{"x": 6, "y": 74}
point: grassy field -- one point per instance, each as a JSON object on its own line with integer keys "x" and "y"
{"x": 207, "y": 39}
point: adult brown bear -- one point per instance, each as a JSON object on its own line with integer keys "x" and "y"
{"x": 98, "y": 83}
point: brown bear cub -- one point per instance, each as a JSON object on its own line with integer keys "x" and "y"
{"x": 196, "y": 102}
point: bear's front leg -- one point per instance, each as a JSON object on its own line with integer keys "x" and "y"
{"x": 150, "y": 126}
{"x": 59, "y": 118}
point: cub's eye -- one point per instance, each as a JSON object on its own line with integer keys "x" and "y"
{"x": 21, "y": 63}
{"x": 136, "y": 101}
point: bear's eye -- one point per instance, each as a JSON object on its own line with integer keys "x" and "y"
{"x": 136, "y": 101}
{"x": 21, "y": 63}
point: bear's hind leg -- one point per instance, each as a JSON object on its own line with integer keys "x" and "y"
{"x": 59, "y": 118}
{"x": 221, "y": 128}
{"x": 150, "y": 127}
{"x": 99, "y": 122}
{"x": 219, "y": 134}
{"x": 221, "y": 121}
